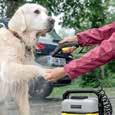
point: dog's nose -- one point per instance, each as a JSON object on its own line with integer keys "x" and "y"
{"x": 51, "y": 20}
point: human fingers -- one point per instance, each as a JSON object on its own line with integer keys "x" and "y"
{"x": 68, "y": 39}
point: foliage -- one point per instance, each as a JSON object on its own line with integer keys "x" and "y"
{"x": 78, "y": 14}
{"x": 111, "y": 13}
{"x": 8, "y": 7}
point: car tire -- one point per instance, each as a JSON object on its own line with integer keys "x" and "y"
{"x": 40, "y": 88}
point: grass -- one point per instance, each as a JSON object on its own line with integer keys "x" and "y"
{"x": 58, "y": 91}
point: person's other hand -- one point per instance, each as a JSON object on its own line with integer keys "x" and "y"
{"x": 68, "y": 39}
{"x": 54, "y": 74}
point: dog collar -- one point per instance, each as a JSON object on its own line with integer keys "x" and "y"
{"x": 27, "y": 48}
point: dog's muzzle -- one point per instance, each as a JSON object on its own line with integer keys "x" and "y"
{"x": 51, "y": 22}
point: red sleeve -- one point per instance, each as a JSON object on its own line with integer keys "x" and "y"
{"x": 93, "y": 59}
{"x": 96, "y": 35}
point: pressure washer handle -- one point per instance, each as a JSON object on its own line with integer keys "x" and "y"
{"x": 65, "y": 44}
{"x": 66, "y": 95}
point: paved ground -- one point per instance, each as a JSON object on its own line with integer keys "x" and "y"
{"x": 51, "y": 106}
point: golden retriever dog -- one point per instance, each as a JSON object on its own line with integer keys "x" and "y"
{"x": 17, "y": 52}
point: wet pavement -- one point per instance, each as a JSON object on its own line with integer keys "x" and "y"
{"x": 50, "y": 106}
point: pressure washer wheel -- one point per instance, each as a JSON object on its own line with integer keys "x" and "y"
{"x": 40, "y": 88}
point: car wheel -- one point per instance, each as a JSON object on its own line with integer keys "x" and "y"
{"x": 40, "y": 88}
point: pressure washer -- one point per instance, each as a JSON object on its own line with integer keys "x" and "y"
{"x": 86, "y": 105}
{"x": 98, "y": 104}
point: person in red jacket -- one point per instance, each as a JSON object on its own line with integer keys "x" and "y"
{"x": 104, "y": 37}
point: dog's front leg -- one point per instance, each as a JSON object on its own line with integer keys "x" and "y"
{"x": 3, "y": 108}
{"x": 18, "y": 72}
{"x": 22, "y": 99}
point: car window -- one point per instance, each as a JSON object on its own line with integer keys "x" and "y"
{"x": 2, "y": 25}
{"x": 55, "y": 35}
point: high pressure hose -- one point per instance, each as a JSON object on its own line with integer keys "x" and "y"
{"x": 105, "y": 106}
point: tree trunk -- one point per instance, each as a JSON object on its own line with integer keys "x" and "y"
{"x": 102, "y": 71}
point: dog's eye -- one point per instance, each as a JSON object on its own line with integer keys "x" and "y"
{"x": 37, "y": 12}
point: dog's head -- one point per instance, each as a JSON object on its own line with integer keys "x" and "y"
{"x": 31, "y": 17}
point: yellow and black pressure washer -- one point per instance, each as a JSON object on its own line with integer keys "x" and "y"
{"x": 85, "y": 105}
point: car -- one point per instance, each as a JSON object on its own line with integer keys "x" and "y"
{"x": 44, "y": 48}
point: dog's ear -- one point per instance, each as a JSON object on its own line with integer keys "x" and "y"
{"x": 17, "y": 22}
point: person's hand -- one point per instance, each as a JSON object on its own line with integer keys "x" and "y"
{"x": 68, "y": 39}
{"x": 68, "y": 50}
{"x": 54, "y": 74}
